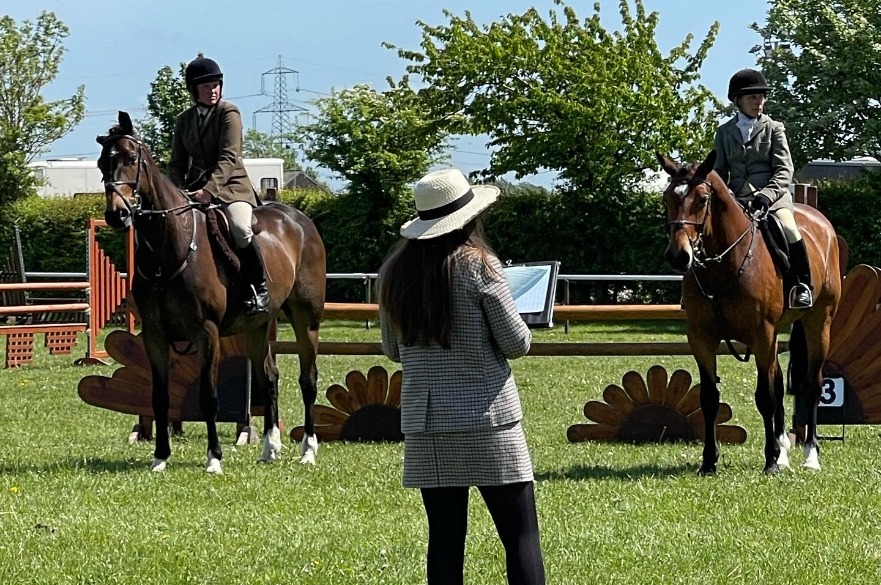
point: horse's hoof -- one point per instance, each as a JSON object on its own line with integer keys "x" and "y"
{"x": 812, "y": 459}
{"x": 783, "y": 459}
{"x": 272, "y": 446}
{"x": 772, "y": 469}
{"x": 214, "y": 466}
{"x": 159, "y": 465}
{"x": 707, "y": 470}
{"x": 308, "y": 449}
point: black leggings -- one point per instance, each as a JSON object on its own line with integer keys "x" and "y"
{"x": 512, "y": 508}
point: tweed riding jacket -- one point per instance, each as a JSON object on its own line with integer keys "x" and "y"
{"x": 469, "y": 386}
{"x": 762, "y": 165}
{"x": 210, "y": 157}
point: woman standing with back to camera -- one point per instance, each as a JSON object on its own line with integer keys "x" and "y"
{"x": 448, "y": 317}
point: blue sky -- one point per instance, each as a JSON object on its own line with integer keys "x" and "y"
{"x": 116, "y": 47}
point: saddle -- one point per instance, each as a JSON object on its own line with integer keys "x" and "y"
{"x": 775, "y": 240}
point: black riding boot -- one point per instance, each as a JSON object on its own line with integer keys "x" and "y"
{"x": 258, "y": 302}
{"x": 800, "y": 297}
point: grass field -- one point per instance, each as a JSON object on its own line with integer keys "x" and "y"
{"x": 78, "y": 506}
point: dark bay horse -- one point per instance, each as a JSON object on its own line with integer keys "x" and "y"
{"x": 733, "y": 290}
{"x": 187, "y": 291}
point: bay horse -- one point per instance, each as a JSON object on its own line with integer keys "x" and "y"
{"x": 733, "y": 290}
{"x": 187, "y": 290}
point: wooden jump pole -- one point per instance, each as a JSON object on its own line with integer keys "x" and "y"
{"x": 15, "y": 286}
{"x": 361, "y": 311}
{"x": 546, "y": 349}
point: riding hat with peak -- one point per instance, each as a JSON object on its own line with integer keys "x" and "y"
{"x": 746, "y": 82}
{"x": 446, "y": 202}
{"x": 201, "y": 70}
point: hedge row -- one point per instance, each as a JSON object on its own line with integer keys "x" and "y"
{"x": 588, "y": 235}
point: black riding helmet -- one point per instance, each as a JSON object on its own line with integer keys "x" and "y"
{"x": 745, "y": 82}
{"x": 201, "y": 70}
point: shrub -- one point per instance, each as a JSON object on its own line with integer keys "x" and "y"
{"x": 54, "y": 231}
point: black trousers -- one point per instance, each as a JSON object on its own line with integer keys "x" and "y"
{"x": 512, "y": 508}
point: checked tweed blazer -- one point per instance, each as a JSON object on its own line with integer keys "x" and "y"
{"x": 470, "y": 386}
{"x": 763, "y": 164}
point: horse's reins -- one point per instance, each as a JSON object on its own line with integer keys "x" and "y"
{"x": 697, "y": 245}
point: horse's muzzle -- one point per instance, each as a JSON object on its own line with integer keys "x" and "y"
{"x": 118, "y": 219}
{"x": 679, "y": 258}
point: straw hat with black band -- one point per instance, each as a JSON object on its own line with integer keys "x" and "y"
{"x": 445, "y": 202}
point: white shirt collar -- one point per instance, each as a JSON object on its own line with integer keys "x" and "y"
{"x": 746, "y": 125}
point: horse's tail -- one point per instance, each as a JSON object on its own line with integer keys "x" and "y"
{"x": 798, "y": 356}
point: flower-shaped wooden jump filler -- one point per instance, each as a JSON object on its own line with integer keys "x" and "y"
{"x": 652, "y": 410}
{"x": 368, "y": 408}
{"x": 855, "y": 348}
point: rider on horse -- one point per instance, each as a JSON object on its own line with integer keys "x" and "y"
{"x": 206, "y": 160}
{"x": 752, "y": 157}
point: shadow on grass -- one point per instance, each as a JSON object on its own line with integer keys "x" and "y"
{"x": 597, "y": 472}
{"x": 96, "y": 466}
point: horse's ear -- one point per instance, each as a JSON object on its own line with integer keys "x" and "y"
{"x": 707, "y": 166}
{"x": 125, "y": 123}
{"x": 667, "y": 164}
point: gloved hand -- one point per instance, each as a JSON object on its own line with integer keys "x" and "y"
{"x": 201, "y": 196}
{"x": 761, "y": 203}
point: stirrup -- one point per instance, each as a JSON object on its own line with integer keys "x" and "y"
{"x": 801, "y": 290}
{"x": 258, "y": 302}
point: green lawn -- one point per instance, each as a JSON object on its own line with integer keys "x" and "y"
{"x": 78, "y": 505}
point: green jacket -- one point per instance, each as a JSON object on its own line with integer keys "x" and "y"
{"x": 210, "y": 157}
{"x": 762, "y": 165}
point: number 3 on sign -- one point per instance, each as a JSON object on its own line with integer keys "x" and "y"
{"x": 833, "y": 392}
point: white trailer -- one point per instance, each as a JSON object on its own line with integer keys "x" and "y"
{"x": 265, "y": 173}
{"x": 66, "y": 177}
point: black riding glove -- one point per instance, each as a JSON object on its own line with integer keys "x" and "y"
{"x": 761, "y": 203}
{"x": 201, "y": 196}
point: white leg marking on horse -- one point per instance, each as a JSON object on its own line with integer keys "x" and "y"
{"x": 784, "y": 437}
{"x": 213, "y": 465}
{"x": 272, "y": 446}
{"x": 159, "y": 465}
{"x": 308, "y": 449}
{"x": 812, "y": 458}
{"x": 783, "y": 458}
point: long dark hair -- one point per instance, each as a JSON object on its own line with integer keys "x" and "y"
{"x": 415, "y": 283}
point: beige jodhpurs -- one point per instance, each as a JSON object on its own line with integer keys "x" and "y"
{"x": 787, "y": 220}
{"x": 240, "y": 214}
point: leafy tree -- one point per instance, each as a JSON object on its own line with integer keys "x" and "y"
{"x": 168, "y": 97}
{"x": 824, "y": 70}
{"x": 567, "y": 95}
{"x": 380, "y": 142}
{"x": 30, "y": 57}
{"x": 258, "y": 144}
